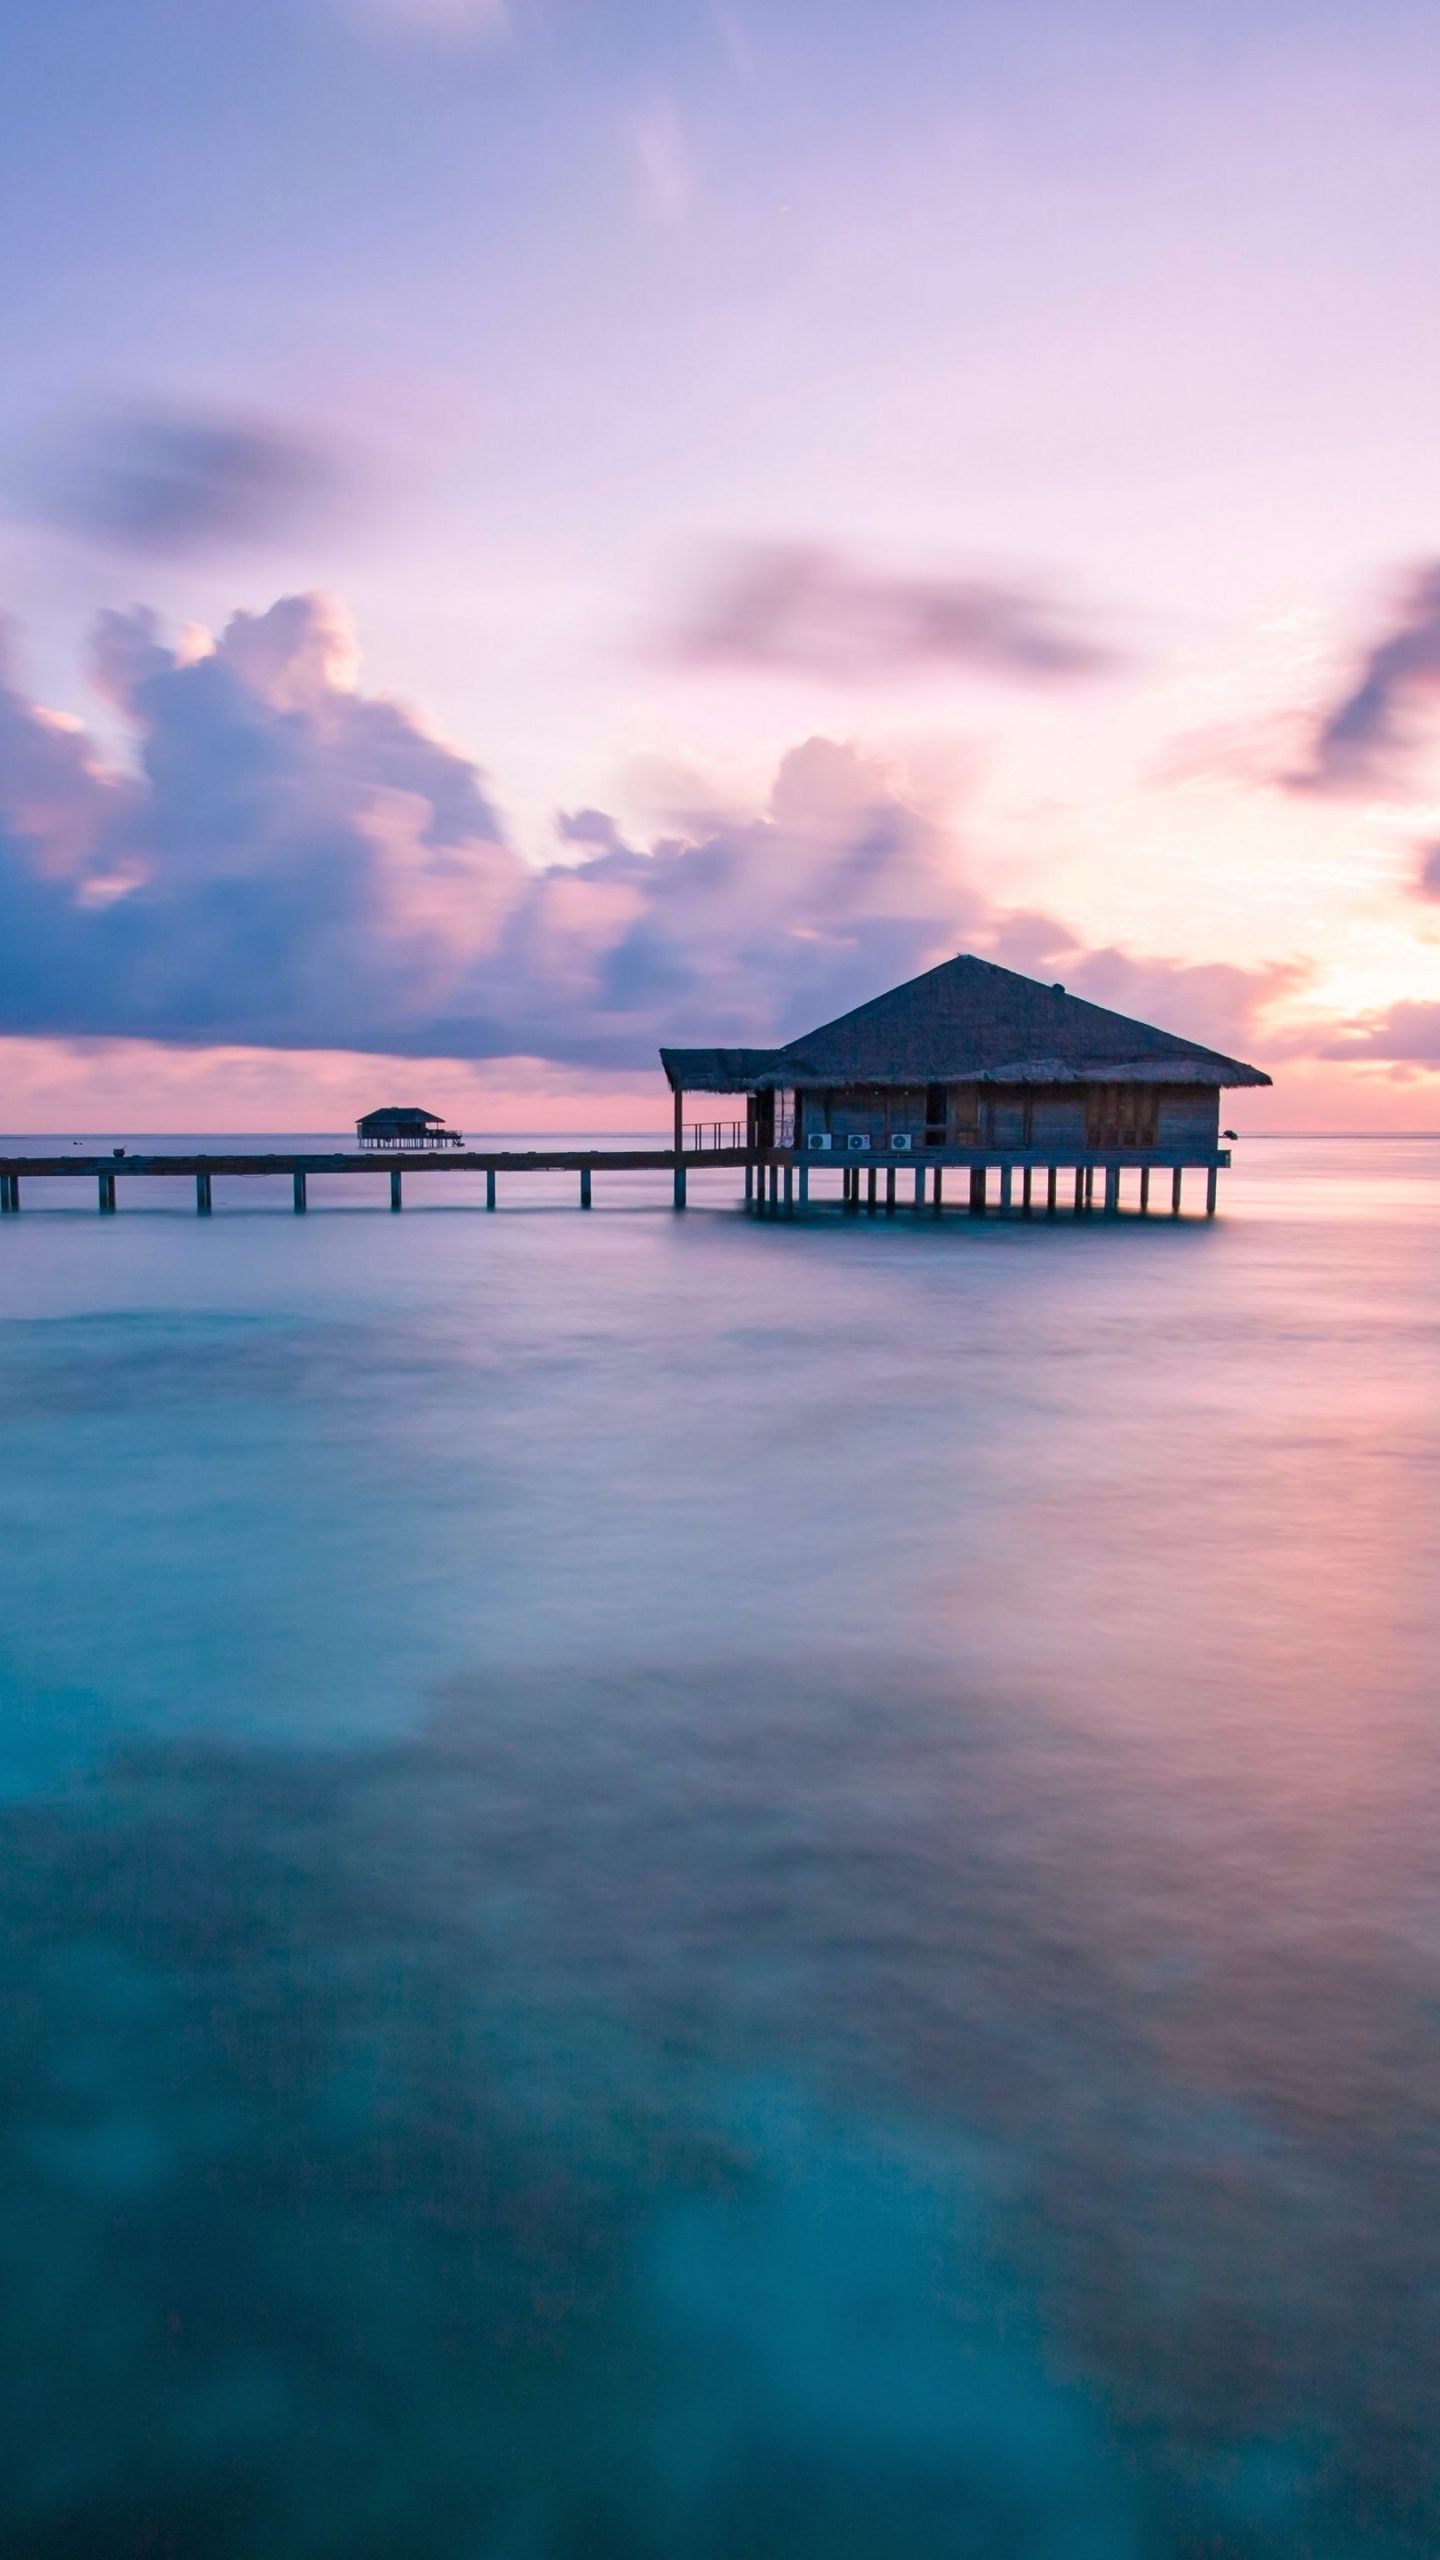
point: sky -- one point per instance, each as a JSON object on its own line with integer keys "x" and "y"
{"x": 530, "y": 528}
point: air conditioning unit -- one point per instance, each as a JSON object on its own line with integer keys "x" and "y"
{"x": 901, "y": 1141}
{"x": 858, "y": 1146}
{"x": 819, "y": 1142}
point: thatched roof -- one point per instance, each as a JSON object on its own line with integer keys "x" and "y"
{"x": 965, "y": 1022}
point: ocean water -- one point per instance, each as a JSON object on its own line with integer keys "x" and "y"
{"x": 675, "y": 1888}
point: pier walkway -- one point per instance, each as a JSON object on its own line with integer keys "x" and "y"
{"x": 779, "y": 1182}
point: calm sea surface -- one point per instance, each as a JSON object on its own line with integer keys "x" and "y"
{"x": 675, "y": 1889}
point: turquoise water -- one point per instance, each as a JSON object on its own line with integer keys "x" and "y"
{"x": 676, "y": 1888}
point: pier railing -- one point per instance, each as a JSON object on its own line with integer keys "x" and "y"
{"x": 708, "y": 1136}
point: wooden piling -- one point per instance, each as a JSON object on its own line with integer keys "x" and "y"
{"x": 890, "y": 1191}
{"x": 1112, "y": 1191}
{"x": 202, "y": 1195}
{"x": 1144, "y": 1191}
{"x": 107, "y": 1194}
{"x": 1175, "y": 1182}
{"x": 789, "y": 1191}
{"x": 584, "y": 1186}
{"x": 979, "y": 1190}
{"x": 872, "y": 1191}
{"x": 919, "y": 1186}
{"x": 679, "y": 1148}
{"x": 395, "y": 1199}
{"x": 1052, "y": 1185}
{"x": 1007, "y": 1191}
{"x": 1211, "y": 1185}
{"x": 490, "y": 1188}
{"x": 804, "y": 1184}
{"x": 1025, "y": 1192}
{"x": 939, "y": 1189}
{"x": 298, "y": 1193}
{"x": 1079, "y": 1191}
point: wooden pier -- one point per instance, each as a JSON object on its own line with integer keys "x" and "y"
{"x": 778, "y": 1181}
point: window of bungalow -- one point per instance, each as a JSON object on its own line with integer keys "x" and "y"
{"x": 1121, "y": 1115}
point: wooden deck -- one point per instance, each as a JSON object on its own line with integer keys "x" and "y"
{"x": 778, "y": 1182}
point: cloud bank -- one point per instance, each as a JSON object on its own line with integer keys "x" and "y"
{"x": 808, "y": 611}
{"x": 1404, "y": 1034}
{"x": 166, "y": 483}
{"x": 293, "y": 863}
{"x": 1364, "y": 741}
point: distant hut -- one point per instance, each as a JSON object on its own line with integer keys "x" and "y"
{"x": 974, "y": 1064}
{"x": 396, "y": 1127}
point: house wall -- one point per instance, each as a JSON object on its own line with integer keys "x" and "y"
{"x": 875, "y": 1112}
{"x": 1057, "y": 1115}
{"x": 1041, "y": 1116}
{"x": 1189, "y": 1116}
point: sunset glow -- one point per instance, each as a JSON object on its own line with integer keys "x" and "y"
{"x": 1034, "y": 407}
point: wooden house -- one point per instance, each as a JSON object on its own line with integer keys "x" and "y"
{"x": 976, "y": 1066}
{"x": 398, "y": 1126}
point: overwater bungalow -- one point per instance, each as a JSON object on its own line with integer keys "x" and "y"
{"x": 974, "y": 1066}
{"x": 398, "y": 1126}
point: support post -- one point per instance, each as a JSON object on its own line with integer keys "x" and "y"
{"x": 890, "y": 1191}
{"x": 1025, "y": 1192}
{"x": 202, "y": 1195}
{"x": 979, "y": 1189}
{"x": 1007, "y": 1191}
{"x": 490, "y": 1188}
{"x": 919, "y": 1186}
{"x": 872, "y": 1191}
{"x": 1144, "y": 1191}
{"x": 584, "y": 1186}
{"x": 774, "y": 1189}
{"x": 789, "y": 1191}
{"x": 107, "y": 1194}
{"x": 804, "y": 1184}
{"x": 1212, "y": 1179}
{"x": 749, "y": 1181}
{"x": 679, "y": 1147}
{"x": 9, "y": 1192}
{"x": 1089, "y": 1186}
{"x": 1052, "y": 1185}
{"x": 1112, "y": 1191}
{"x": 1176, "y": 1180}
{"x": 939, "y": 1183}
{"x": 1079, "y": 1191}
{"x": 395, "y": 1201}
{"x": 299, "y": 1191}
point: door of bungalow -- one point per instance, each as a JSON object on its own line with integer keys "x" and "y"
{"x": 1007, "y": 1119}
{"x": 1121, "y": 1115}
